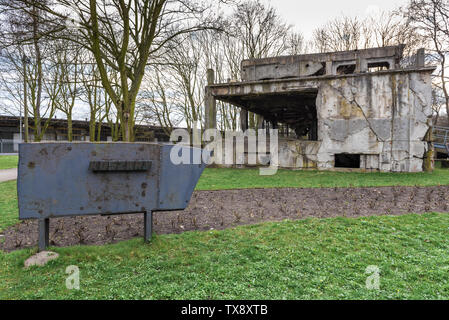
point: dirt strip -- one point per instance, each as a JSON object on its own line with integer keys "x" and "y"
{"x": 229, "y": 208}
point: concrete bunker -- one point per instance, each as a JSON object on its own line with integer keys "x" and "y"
{"x": 355, "y": 109}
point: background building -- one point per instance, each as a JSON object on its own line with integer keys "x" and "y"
{"x": 57, "y": 131}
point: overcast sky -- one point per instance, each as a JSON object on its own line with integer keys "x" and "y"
{"x": 306, "y": 15}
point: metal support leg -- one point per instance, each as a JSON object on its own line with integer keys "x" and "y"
{"x": 44, "y": 231}
{"x": 148, "y": 226}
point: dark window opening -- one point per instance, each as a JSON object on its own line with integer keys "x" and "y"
{"x": 294, "y": 114}
{"x": 307, "y": 130}
{"x": 378, "y": 66}
{"x": 306, "y": 125}
{"x": 351, "y": 161}
{"x": 441, "y": 155}
{"x": 346, "y": 69}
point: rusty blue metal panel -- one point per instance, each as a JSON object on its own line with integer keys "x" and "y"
{"x": 73, "y": 179}
{"x": 179, "y": 181}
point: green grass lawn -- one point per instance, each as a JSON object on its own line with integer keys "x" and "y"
{"x": 8, "y": 162}
{"x": 309, "y": 259}
{"x": 8, "y": 204}
{"x": 218, "y": 179}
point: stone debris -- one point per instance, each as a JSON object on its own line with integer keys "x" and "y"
{"x": 41, "y": 258}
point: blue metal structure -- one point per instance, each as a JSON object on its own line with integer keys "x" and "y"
{"x": 76, "y": 179}
{"x": 441, "y": 138}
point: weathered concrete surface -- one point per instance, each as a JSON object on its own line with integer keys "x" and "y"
{"x": 298, "y": 154}
{"x": 359, "y": 103}
{"x": 306, "y": 65}
{"x": 383, "y": 116}
{"x": 8, "y": 175}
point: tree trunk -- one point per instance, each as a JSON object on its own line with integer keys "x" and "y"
{"x": 92, "y": 126}
{"x": 69, "y": 127}
{"x": 443, "y": 82}
{"x": 92, "y": 131}
{"x": 129, "y": 119}
{"x": 25, "y": 100}
{"x": 252, "y": 122}
{"x": 37, "y": 117}
{"x": 99, "y": 132}
{"x": 125, "y": 130}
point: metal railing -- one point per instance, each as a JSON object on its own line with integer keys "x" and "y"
{"x": 8, "y": 146}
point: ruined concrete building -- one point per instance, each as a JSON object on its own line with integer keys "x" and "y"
{"x": 353, "y": 109}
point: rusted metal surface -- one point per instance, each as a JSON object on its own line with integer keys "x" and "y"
{"x": 75, "y": 179}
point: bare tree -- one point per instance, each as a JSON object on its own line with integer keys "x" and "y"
{"x": 122, "y": 35}
{"x": 388, "y": 28}
{"x": 20, "y": 86}
{"x": 260, "y": 29}
{"x": 12, "y": 70}
{"x": 381, "y": 29}
{"x": 438, "y": 101}
{"x": 223, "y": 53}
{"x": 23, "y": 38}
{"x": 253, "y": 31}
{"x": 340, "y": 34}
{"x": 174, "y": 92}
{"x": 160, "y": 99}
{"x": 189, "y": 76}
{"x": 432, "y": 19}
{"x": 261, "y": 33}
{"x": 92, "y": 93}
{"x": 67, "y": 62}
{"x": 295, "y": 44}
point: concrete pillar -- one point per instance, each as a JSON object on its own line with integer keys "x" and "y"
{"x": 420, "y": 58}
{"x": 260, "y": 121}
{"x": 244, "y": 119}
{"x": 363, "y": 65}
{"x": 210, "y": 104}
{"x": 252, "y": 120}
{"x": 328, "y": 68}
{"x": 358, "y": 65}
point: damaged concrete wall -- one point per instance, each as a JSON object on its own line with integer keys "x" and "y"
{"x": 383, "y": 117}
{"x": 307, "y": 65}
{"x": 297, "y": 154}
